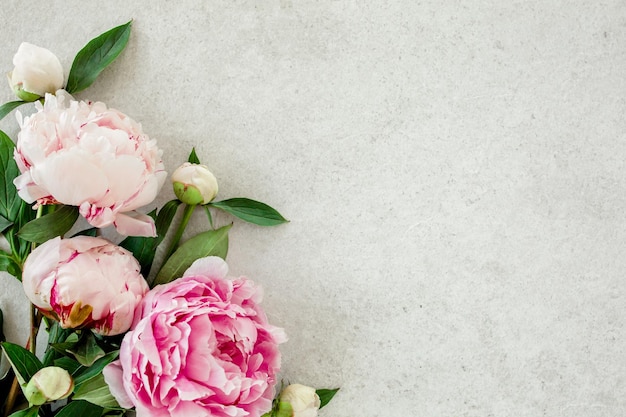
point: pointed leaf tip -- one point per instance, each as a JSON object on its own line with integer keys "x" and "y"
{"x": 99, "y": 53}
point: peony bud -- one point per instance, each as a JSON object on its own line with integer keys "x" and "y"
{"x": 304, "y": 400}
{"x": 194, "y": 184}
{"x": 49, "y": 384}
{"x": 37, "y": 72}
{"x": 85, "y": 282}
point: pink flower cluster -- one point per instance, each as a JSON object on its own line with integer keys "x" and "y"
{"x": 199, "y": 346}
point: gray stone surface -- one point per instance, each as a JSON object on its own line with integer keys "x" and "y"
{"x": 453, "y": 172}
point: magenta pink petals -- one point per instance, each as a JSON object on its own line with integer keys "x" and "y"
{"x": 200, "y": 346}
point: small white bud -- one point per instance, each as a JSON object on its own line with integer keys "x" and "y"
{"x": 194, "y": 184}
{"x": 304, "y": 400}
{"x": 49, "y": 384}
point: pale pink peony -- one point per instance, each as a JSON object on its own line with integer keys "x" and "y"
{"x": 86, "y": 155}
{"x": 199, "y": 346}
{"x": 85, "y": 282}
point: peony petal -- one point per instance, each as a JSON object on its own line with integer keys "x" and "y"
{"x": 71, "y": 178}
{"x": 148, "y": 191}
{"x": 210, "y": 267}
{"x": 189, "y": 409}
{"x": 97, "y": 216}
{"x": 28, "y": 190}
{"x": 113, "y": 377}
{"x": 125, "y": 176}
{"x": 134, "y": 224}
{"x": 37, "y": 268}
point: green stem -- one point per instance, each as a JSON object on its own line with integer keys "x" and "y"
{"x": 34, "y": 327}
{"x": 189, "y": 208}
{"x": 35, "y": 321}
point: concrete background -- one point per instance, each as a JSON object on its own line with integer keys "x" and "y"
{"x": 453, "y": 172}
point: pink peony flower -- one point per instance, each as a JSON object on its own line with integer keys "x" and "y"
{"x": 199, "y": 346}
{"x": 86, "y": 155}
{"x": 85, "y": 282}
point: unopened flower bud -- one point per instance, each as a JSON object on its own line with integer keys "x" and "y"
{"x": 49, "y": 384}
{"x": 37, "y": 72}
{"x": 194, "y": 184}
{"x": 304, "y": 400}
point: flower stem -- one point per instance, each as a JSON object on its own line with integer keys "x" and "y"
{"x": 189, "y": 208}
{"x": 10, "y": 402}
{"x": 35, "y": 320}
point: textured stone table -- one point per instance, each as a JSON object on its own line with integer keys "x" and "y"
{"x": 453, "y": 173}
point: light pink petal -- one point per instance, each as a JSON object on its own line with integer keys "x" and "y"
{"x": 134, "y": 224}
{"x": 97, "y": 216}
{"x": 81, "y": 244}
{"x": 88, "y": 182}
{"x": 27, "y": 189}
{"x": 37, "y": 268}
{"x": 148, "y": 191}
{"x": 113, "y": 377}
{"x": 210, "y": 267}
{"x": 125, "y": 176}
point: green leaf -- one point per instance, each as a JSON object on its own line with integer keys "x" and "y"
{"x": 80, "y": 408}
{"x": 251, "y": 211}
{"x": 69, "y": 364}
{"x": 9, "y": 200}
{"x": 193, "y": 157}
{"x": 70, "y": 341}
{"x": 28, "y": 412}
{"x": 7, "y": 108}
{"x": 210, "y": 217}
{"x": 92, "y": 232}
{"x": 326, "y": 395}
{"x": 21, "y": 248}
{"x": 96, "y": 56}
{"x": 96, "y": 368}
{"x": 24, "y": 363}
{"x": 87, "y": 351}
{"x": 4, "y": 224}
{"x": 97, "y": 392}
{"x": 8, "y": 264}
{"x": 57, "y": 334}
{"x": 50, "y": 226}
{"x": 164, "y": 219}
{"x": 209, "y": 243}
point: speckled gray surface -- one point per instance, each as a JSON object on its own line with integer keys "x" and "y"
{"x": 453, "y": 172}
